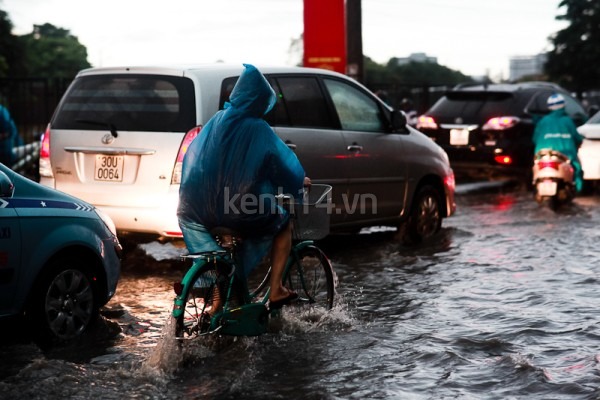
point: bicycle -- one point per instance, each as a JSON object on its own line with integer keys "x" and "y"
{"x": 217, "y": 274}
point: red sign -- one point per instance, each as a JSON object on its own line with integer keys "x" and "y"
{"x": 325, "y": 34}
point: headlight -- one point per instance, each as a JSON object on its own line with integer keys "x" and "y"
{"x": 107, "y": 221}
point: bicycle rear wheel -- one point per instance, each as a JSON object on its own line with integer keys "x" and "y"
{"x": 311, "y": 276}
{"x": 208, "y": 289}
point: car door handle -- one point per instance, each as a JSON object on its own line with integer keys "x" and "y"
{"x": 290, "y": 145}
{"x": 354, "y": 147}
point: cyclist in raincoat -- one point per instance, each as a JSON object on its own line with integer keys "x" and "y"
{"x": 231, "y": 174}
{"x": 557, "y": 131}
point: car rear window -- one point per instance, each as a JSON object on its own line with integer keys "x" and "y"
{"x": 473, "y": 105}
{"x": 128, "y": 102}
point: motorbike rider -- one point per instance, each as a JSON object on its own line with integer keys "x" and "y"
{"x": 231, "y": 173}
{"x": 557, "y": 131}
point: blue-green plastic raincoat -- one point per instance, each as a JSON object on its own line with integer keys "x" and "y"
{"x": 557, "y": 131}
{"x": 233, "y": 170}
{"x": 8, "y": 138}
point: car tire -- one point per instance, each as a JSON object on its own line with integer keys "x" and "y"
{"x": 64, "y": 303}
{"x": 425, "y": 218}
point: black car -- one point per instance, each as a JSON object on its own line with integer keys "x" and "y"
{"x": 488, "y": 128}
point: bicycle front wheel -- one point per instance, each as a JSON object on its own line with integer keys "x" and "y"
{"x": 311, "y": 276}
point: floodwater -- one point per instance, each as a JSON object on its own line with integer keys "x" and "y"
{"x": 504, "y": 305}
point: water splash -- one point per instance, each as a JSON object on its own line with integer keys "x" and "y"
{"x": 165, "y": 357}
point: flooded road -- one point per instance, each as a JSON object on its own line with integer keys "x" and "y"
{"x": 503, "y": 305}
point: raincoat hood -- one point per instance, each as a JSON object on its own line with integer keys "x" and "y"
{"x": 252, "y": 94}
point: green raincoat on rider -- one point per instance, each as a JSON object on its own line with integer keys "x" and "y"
{"x": 557, "y": 131}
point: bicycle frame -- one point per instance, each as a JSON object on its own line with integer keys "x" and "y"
{"x": 249, "y": 319}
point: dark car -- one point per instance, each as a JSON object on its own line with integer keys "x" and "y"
{"x": 488, "y": 128}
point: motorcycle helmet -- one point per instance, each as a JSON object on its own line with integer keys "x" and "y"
{"x": 556, "y": 101}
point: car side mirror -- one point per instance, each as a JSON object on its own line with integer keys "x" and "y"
{"x": 399, "y": 121}
{"x": 6, "y": 186}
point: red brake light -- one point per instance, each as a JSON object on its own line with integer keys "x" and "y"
{"x": 549, "y": 164}
{"x": 426, "y": 122}
{"x": 500, "y": 123}
{"x": 450, "y": 182}
{"x": 503, "y": 159}
{"x": 45, "y": 168}
{"x": 45, "y": 148}
{"x": 185, "y": 144}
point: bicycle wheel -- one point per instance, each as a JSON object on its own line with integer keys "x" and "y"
{"x": 311, "y": 276}
{"x": 206, "y": 294}
{"x": 259, "y": 279}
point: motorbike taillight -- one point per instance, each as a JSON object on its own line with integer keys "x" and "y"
{"x": 554, "y": 164}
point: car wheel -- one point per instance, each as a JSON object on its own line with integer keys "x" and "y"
{"x": 425, "y": 218}
{"x": 64, "y": 302}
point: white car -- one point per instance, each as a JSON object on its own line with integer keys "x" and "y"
{"x": 589, "y": 152}
{"x": 118, "y": 137}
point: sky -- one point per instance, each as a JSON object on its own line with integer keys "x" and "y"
{"x": 475, "y": 37}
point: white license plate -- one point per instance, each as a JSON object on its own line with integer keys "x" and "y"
{"x": 546, "y": 188}
{"x": 459, "y": 137}
{"x": 108, "y": 168}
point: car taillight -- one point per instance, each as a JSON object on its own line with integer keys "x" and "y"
{"x": 500, "y": 123}
{"x": 450, "y": 182}
{"x": 185, "y": 143}
{"x": 554, "y": 164}
{"x": 45, "y": 168}
{"x": 426, "y": 122}
{"x": 503, "y": 159}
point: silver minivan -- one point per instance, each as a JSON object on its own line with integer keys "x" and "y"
{"x": 118, "y": 137}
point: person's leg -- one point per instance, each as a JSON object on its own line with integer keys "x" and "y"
{"x": 282, "y": 244}
{"x": 578, "y": 172}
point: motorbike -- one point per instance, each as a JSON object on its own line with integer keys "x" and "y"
{"x": 553, "y": 179}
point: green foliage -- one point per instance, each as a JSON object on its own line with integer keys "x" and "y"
{"x": 574, "y": 60}
{"x": 10, "y": 51}
{"x": 412, "y": 74}
{"x": 47, "y": 52}
{"x": 53, "y": 52}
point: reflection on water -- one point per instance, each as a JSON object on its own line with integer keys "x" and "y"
{"x": 502, "y": 305}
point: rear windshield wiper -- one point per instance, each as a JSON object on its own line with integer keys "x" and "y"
{"x": 110, "y": 126}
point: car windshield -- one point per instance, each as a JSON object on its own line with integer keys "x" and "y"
{"x": 474, "y": 105}
{"x": 125, "y": 102}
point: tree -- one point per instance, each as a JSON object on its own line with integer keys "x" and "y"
{"x": 11, "y": 54}
{"x": 52, "y": 52}
{"x": 574, "y": 60}
{"x": 412, "y": 80}
{"x": 425, "y": 73}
